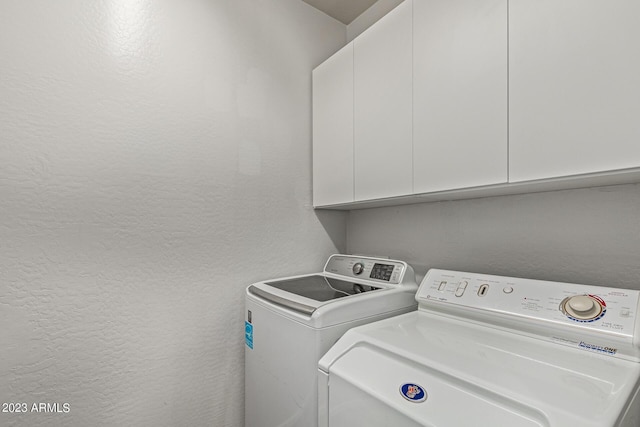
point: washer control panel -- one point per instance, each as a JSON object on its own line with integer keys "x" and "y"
{"x": 375, "y": 269}
{"x": 565, "y": 305}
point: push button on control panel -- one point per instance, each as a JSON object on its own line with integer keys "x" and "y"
{"x": 461, "y": 288}
{"x": 482, "y": 291}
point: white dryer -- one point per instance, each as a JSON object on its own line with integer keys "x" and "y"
{"x": 490, "y": 351}
{"x": 291, "y": 322}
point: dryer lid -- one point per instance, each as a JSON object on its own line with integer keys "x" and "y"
{"x": 473, "y": 374}
{"x": 404, "y": 394}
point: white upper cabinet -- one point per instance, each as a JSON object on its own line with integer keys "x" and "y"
{"x": 333, "y": 129}
{"x": 460, "y": 94}
{"x": 574, "y": 87}
{"x": 445, "y": 99}
{"x": 382, "y": 109}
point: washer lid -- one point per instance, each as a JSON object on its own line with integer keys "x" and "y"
{"x": 306, "y": 293}
{"x": 320, "y": 288}
{"x": 349, "y": 288}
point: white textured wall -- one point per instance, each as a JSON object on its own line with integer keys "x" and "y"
{"x": 587, "y": 236}
{"x": 155, "y": 158}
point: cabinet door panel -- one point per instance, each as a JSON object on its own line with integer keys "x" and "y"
{"x": 574, "y": 87}
{"x": 382, "y": 109}
{"x": 333, "y": 129}
{"x": 460, "y": 94}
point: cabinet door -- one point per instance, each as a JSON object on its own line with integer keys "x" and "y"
{"x": 382, "y": 109}
{"x": 333, "y": 129}
{"x": 574, "y": 87}
{"x": 460, "y": 94}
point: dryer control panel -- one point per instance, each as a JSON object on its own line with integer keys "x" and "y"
{"x": 597, "y": 318}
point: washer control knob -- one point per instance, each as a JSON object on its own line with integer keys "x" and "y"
{"x": 581, "y": 304}
{"x": 582, "y": 307}
{"x": 358, "y": 268}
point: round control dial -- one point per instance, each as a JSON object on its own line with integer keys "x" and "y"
{"x": 583, "y": 307}
{"x": 358, "y": 268}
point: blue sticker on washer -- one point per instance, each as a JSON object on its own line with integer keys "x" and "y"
{"x": 413, "y": 393}
{"x": 248, "y": 334}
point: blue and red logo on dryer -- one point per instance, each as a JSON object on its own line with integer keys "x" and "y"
{"x": 413, "y": 392}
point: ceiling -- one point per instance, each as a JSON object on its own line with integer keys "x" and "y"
{"x": 344, "y": 11}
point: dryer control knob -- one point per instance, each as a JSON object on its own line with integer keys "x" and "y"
{"x": 358, "y": 268}
{"x": 582, "y": 307}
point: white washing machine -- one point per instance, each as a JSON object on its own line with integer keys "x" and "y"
{"x": 291, "y": 322}
{"x": 490, "y": 351}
